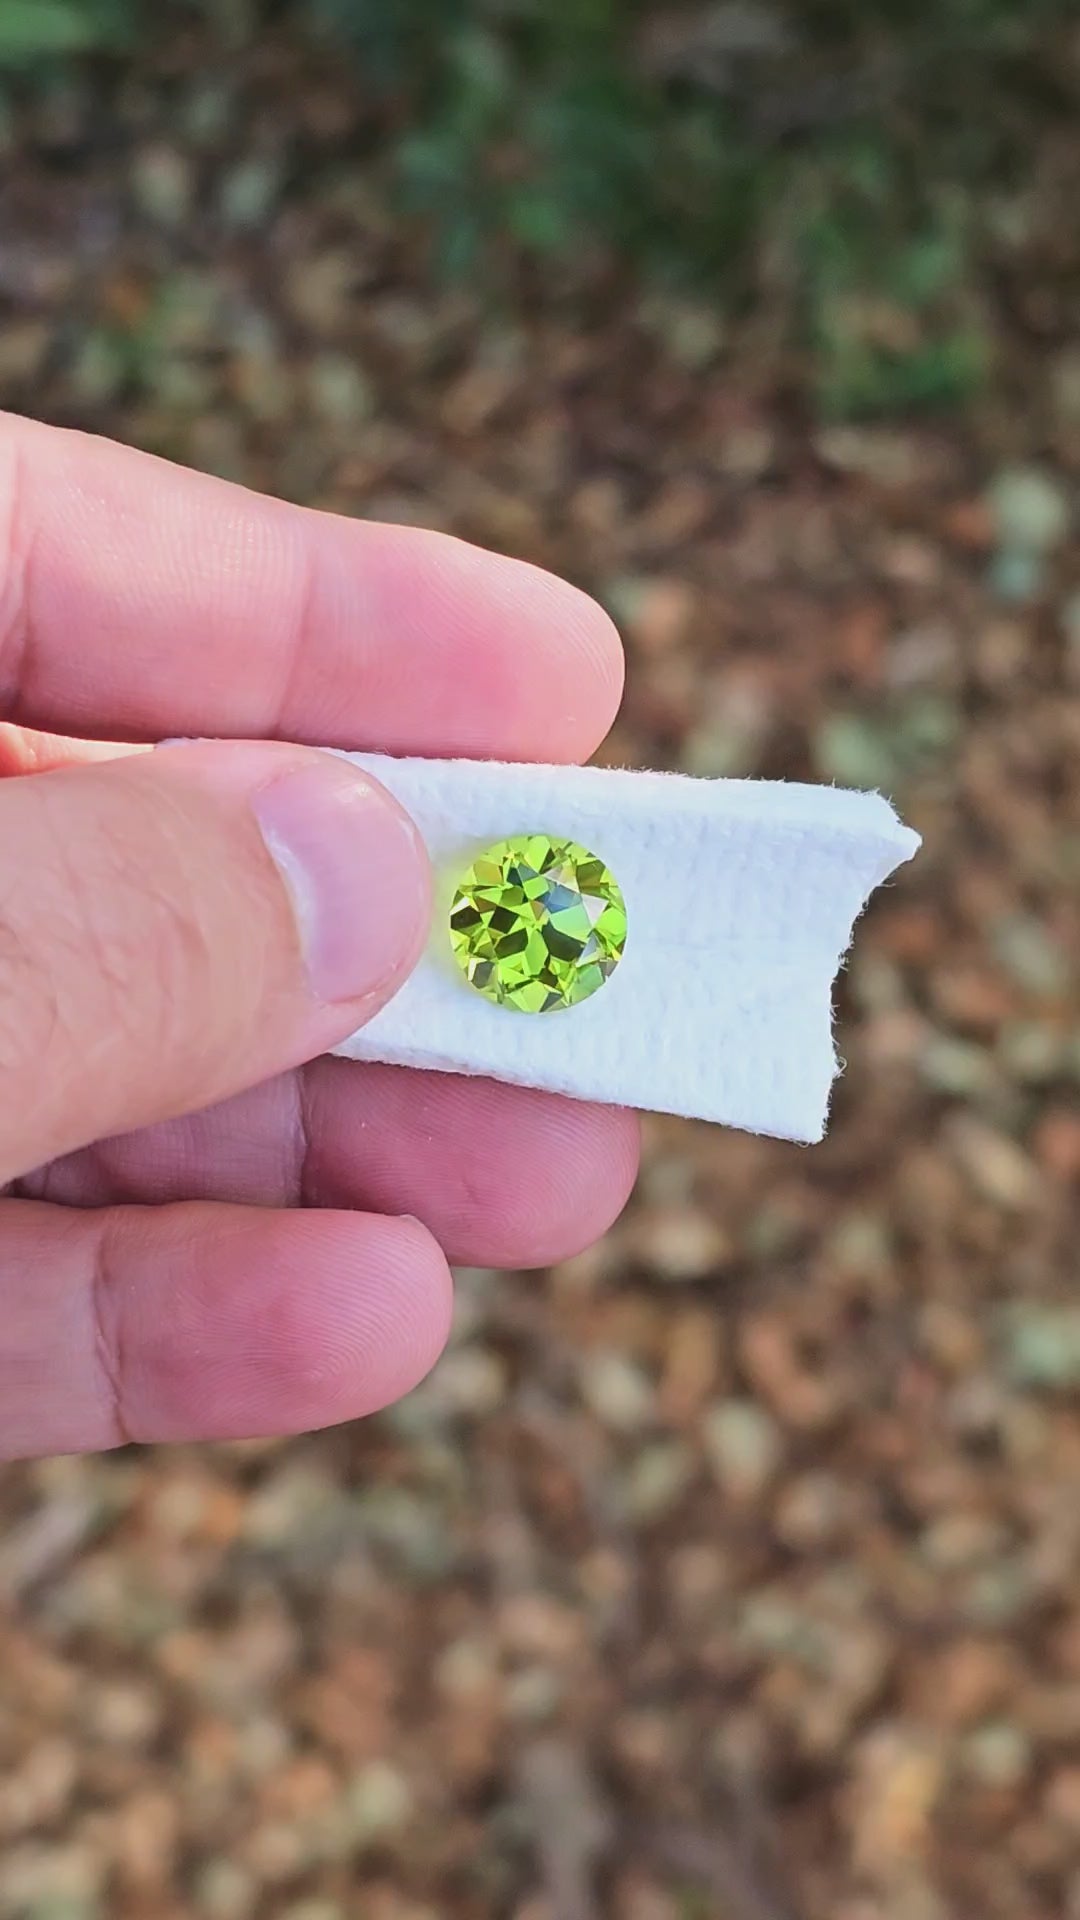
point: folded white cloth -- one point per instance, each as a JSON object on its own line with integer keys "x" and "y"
{"x": 741, "y": 896}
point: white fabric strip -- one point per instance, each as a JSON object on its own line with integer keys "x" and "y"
{"x": 741, "y": 896}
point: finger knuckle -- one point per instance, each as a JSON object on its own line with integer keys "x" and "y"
{"x": 97, "y": 950}
{"x": 137, "y": 935}
{"x": 29, "y": 1009}
{"x": 107, "y": 1325}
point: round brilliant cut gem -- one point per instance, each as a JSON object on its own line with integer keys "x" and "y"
{"x": 537, "y": 923}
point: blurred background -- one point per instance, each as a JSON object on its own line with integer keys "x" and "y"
{"x": 731, "y": 1571}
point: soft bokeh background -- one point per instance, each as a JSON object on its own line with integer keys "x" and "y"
{"x": 732, "y": 1571}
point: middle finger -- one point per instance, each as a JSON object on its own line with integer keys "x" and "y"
{"x": 502, "y": 1176}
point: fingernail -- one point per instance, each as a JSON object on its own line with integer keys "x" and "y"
{"x": 357, "y": 875}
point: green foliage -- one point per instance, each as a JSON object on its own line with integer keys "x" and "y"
{"x": 548, "y": 165}
{"x": 882, "y": 273}
{"x": 824, "y": 157}
{"x": 36, "y": 30}
{"x": 825, "y": 154}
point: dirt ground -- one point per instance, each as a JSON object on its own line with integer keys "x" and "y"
{"x": 732, "y": 1570}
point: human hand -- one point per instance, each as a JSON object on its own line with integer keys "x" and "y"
{"x": 201, "y": 1236}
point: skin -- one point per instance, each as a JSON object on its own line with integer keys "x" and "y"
{"x": 208, "y": 1229}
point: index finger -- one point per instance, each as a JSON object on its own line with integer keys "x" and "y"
{"x": 140, "y": 599}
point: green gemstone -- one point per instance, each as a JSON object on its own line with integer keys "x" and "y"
{"x": 537, "y": 923}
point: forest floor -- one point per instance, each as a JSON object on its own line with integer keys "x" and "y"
{"x": 732, "y": 1570}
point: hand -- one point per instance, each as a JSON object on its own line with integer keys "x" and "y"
{"x": 202, "y": 1236}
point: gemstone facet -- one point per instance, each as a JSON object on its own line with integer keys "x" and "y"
{"x": 537, "y": 923}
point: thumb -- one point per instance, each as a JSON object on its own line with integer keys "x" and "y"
{"x": 182, "y": 924}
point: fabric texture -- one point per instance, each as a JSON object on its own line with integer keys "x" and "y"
{"x": 741, "y": 897}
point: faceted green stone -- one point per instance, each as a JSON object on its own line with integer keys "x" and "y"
{"x": 537, "y": 923}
